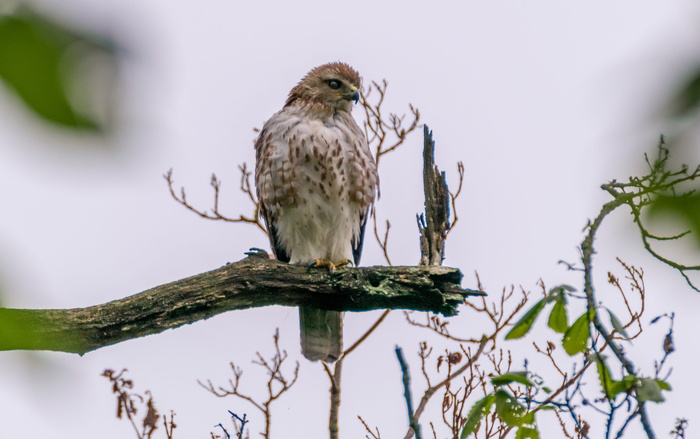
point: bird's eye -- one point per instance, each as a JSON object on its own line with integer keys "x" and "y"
{"x": 334, "y": 84}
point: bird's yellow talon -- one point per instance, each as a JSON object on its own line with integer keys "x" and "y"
{"x": 342, "y": 263}
{"x": 327, "y": 263}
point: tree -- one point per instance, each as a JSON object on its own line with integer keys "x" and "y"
{"x": 512, "y": 399}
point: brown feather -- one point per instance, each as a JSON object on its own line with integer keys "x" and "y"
{"x": 316, "y": 181}
{"x": 310, "y": 91}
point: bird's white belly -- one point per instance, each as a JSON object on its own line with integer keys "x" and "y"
{"x": 321, "y": 228}
{"x": 316, "y": 201}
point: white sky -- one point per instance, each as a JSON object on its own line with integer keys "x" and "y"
{"x": 542, "y": 100}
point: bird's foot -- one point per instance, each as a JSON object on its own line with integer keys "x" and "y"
{"x": 327, "y": 263}
{"x": 343, "y": 263}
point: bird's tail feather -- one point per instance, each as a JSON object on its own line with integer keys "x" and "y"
{"x": 321, "y": 334}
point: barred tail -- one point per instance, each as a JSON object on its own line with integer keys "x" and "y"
{"x": 321, "y": 334}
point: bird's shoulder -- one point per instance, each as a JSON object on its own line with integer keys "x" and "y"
{"x": 296, "y": 123}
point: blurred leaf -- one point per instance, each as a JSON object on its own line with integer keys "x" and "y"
{"x": 687, "y": 99}
{"x": 663, "y": 384}
{"x": 19, "y": 328}
{"x": 558, "y": 320}
{"x": 649, "y": 390}
{"x": 630, "y": 381}
{"x": 576, "y": 337}
{"x": 617, "y": 325}
{"x": 511, "y": 411}
{"x": 527, "y": 433}
{"x": 603, "y": 374}
{"x": 611, "y": 388}
{"x": 685, "y": 207}
{"x": 524, "y": 325}
{"x": 510, "y": 377}
{"x": 480, "y": 409}
{"x": 37, "y": 59}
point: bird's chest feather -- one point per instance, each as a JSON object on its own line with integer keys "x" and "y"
{"x": 319, "y": 164}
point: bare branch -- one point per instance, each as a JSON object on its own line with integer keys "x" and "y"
{"x": 367, "y": 333}
{"x": 636, "y": 193}
{"x": 128, "y": 403}
{"x": 378, "y": 129}
{"x": 383, "y": 242}
{"x": 406, "y": 378}
{"x": 454, "y": 196}
{"x": 471, "y": 360}
{"x": 276, "y": 384}
{"x": 375, "y": 434}
{"x": 215, "y": 214}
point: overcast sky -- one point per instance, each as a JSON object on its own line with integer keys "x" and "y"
{"x": 543, "y": 101}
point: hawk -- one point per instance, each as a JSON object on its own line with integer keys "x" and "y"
{"x": 317, "y": 180}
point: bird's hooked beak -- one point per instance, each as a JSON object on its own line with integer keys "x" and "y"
{"x": 354, "y": 95}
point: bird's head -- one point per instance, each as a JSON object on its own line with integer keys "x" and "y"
{"x": 335, "y": 85}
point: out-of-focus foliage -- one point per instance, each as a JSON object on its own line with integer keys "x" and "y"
{"x": 684, "y": 106}
{"x": 687, "y": 99}
{"x": 51, "y": 69}
{"x": 685, "y": 207}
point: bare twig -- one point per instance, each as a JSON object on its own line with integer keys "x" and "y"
{"x": 453, "y": 198}
{"x": 471, "y": 360}
{"x": 169, "y": 424}
{"x": 636, "y": 193}
{"x": 277, "y": 384}
{"x": 367, "y": 333}
{"x": 128, "y": 405}
{"x": 406, "y": 378}
{"x": 236, "y": 420}
{"x": 383, "y": 242}
{"x": 379, "y": 129}
{"x": 375, "y": 434}
{"x": 215, "y": 214}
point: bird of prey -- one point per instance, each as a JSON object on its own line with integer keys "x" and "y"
{"x": 316, "y": 181}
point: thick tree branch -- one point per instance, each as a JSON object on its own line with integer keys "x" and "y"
{"x": 253, "y": 282}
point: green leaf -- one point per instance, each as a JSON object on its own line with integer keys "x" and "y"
{"x": 649, "y": 390}
{"x": 525, "y": 323}
{"x": 617, "y": 325}
{"x": 527, "y": 433}
{"x": 576, "y": 337}
{"x": 630, "y": 380}
{"x": 611, "y": 388}
{"x": 558, "y": 320}
{"x": 480, "y": 409}
{"x": 663, "y": 384}
{"x": 39, "y": 60}
{"x": 603, "y": 374}
{"x": 510, "y": 377}
{"x": 511, "y": 411}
